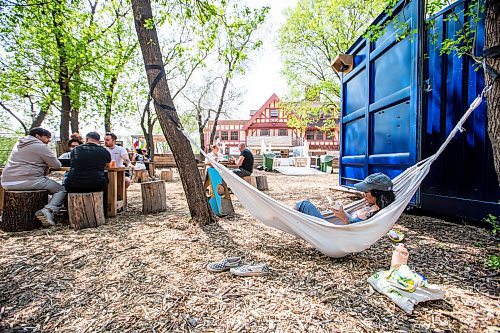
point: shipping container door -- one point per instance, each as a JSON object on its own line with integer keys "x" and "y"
{"x": 380, "y": 99}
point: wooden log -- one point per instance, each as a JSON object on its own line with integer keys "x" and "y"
{"x": 86, "y": 210}
{"x": 141, "y": 176}
{"x": 20, "y": 208}
{"x": 250, "y": 180}
{"x": 167, "y": 175}
{"x": 261, "y": 182}
{"x": 154, "y": 197}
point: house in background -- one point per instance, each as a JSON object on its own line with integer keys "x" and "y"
{"x": 269, "y": 124}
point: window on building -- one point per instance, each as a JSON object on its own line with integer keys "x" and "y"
{"x": 224, "y": 136}
{"x": 265, "y": 132}
{"x": 274, "y": 113}
{"x": 234, "y": 136}
{"x": 310, "y": 135}
{"x": 282, "y": 132}
{"x": 319, "y": 135}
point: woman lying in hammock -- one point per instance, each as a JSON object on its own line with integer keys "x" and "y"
{"x": 378, "y": 194}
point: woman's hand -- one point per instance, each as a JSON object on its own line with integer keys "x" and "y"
{"x": 341, "y": 215}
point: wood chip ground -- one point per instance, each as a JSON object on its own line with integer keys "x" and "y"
{"x": 146, "y": 273}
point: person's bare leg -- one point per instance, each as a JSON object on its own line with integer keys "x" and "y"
{"x": 127, "y": 182}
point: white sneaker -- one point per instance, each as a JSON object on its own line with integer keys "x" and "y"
{"x": 45, "y": 216}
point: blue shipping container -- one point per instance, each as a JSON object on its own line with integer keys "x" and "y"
{"x": 401, "y": 100}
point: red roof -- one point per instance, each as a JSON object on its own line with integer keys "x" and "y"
{"x": 273, "y": 98}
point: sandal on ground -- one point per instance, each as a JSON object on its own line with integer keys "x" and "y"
{"x": 251, "y": 270}
{"x": 225, "y": 264}
{"x": 395, "y": 236}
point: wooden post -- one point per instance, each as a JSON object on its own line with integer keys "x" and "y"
{"x": 141, "y": 176}
{"x": 154, "y": 197}
{"x": 20, "y": 208}
{"x": 167, "y": 175}
{"x": 85, "y": 210}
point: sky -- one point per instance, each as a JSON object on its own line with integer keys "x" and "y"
{"x": 263, "y": 77}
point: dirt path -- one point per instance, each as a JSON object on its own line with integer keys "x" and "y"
{"x": 147, "y": 274}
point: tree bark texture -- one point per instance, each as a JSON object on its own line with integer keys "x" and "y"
{"x": 86, "y": 210}
{"x": 109, "y": 103}
{"x": 181, "y": 148}
{"x": 20, "y": 208}
{"x": 40, "y": 117}
{"x": 492, "y": 38}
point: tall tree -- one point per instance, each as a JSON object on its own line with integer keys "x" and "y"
{"x": 315, "y": 32}
{"x": 492, "y": 40}
{"x": 235, "y": 44}
{"x": 167, "y": 115}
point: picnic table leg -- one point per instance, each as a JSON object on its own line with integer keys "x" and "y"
{"x": 112, "y": 195}
{"x": 121, "y": 191}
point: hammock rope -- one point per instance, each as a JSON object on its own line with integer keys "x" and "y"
{"x": 331, "y": 239}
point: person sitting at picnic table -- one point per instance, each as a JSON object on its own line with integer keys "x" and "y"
{"x": 145, "y": 158}
{"x": 378, "y": 194}
{"x": 244, "y": 162}
{"x": 215, "y": 154}
{"x": 72, "y": 143}
{"x": 27, "y": 169}
{"x": 88, "y": 164}
{"x": 139, "y": 159}
{"x": 118, "y": 154}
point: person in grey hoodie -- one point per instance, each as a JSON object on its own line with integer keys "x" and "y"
{"x": 26, "y": 170}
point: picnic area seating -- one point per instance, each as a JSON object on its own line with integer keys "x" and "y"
{"x": 257, "y": 181}
{"x": 154, "y": 197}
{"x": 141, "y": 176}
{"x": 86, "y": 210}
{"x": 19, "y": 208}
{"x": 167, "y": 175}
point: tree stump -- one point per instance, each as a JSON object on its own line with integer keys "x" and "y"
{"x": 141, "y": 176}
{"x": 261, "y": 182}
{"x": 1, "y": 198}
{"x": 167, "y": 175}
{"x": 20, "y": 208}
{"x": 250, "y": 180}
{"x": 86, "y": 210}
{"x": 154, "y": 197}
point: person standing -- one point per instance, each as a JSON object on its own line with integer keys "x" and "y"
{"x": 244, "y": 162}
{"x": 27, "y": 169}
{"x": 88, "y": 164}
{"x": 118, "y": 154}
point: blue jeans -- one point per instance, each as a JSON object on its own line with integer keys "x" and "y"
{"x": 306, "y": 207}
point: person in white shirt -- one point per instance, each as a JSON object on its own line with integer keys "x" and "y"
{"x": 215, "y": 154}
{"x": 118, "y": 154}
{"x": 72, "y": 143}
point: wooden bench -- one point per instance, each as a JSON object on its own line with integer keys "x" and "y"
{"x": 86, "y": 210}
{"x": 19, "y": 209}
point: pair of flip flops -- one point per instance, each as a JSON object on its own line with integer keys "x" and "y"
{"x": 236, "y": 267}
{"x": 395, "y": 236}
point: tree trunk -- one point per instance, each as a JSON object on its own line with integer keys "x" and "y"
{"x": 38, "y": 120}
{"x": 147, "y": 126}
{"x": 181, "y": 148}
{"x": 63, "y": 77}
{"x": 109, "y": 102}
{"x": 492, "y": 38}
{"x": 200, "y": 132}
{"x": 219, "y": 109}
{"x": 75, "y": 120}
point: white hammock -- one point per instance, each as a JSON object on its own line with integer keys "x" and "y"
{"x": 331, "y": 239}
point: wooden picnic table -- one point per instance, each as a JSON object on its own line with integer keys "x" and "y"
{"x": 117, "y": 192}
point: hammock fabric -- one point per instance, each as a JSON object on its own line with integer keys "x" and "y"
{"x": 331, "y": 239}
